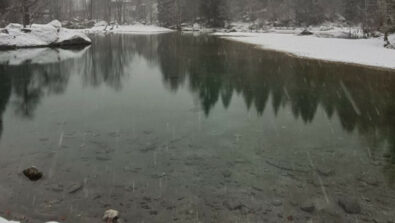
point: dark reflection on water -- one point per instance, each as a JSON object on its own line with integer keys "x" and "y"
{"x": 215, "y": 72}
{"x": 5, "y": 92}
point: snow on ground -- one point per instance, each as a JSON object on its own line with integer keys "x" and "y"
{"x": 132, "y": 29}
{"x": 357, "y": 51}
{"x": 3, "y": 220}
{"x": 39, "y": 55}
{"x": 329, "y": 30}
{"x": 40, "y": 35}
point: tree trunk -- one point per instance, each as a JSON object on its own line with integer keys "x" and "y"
{"x": 26, "y": 13}
{"x": 91, "y": 10}
{"x": 108, "y": 14}
{"x": 386, "y": 40}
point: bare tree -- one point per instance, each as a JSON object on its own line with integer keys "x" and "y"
{"x": 29, "y": 10}
{"x": 119, "y": 7}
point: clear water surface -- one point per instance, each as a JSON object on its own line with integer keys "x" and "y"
{"x": 183, "y": 128}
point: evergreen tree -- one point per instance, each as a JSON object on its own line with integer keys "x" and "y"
{"x": 353, "y": 10}
{"x": 214, "y": 12}
{"x": 309, "y": 12}
{"x": 167, "y": 12}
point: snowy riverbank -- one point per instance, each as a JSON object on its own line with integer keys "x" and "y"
{"x": 368, "y": 52}
{"x": 3, "y": 220}
{"x": 127, "y": 29}
{"x": 40, "y": 35}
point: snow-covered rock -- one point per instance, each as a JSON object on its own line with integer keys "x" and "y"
{"x": 39, "y": 35}
{"x": 69, "y": 37}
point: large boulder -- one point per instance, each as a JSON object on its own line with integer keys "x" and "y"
{"x": 41, "y": 35}
{"x": 72, "y": 38}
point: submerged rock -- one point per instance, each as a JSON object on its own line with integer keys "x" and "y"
{"x": 75, "y": 187}
{"x": 325, "y": 171}
{"x": 233, "y": 205}
{"x": 371, "y": 180}
{"x": 227, "y": 173}
{"x": 328, "y": 216}
{"x": 350, "y": 206}
{"x": 308, "y": 207}
{"x": 277, "y": 203}
{"x": 33, "y": 174}
{"x": 111, "y": 216}
{"x": 56, "y": 188}
{"x": 153, "y": 212}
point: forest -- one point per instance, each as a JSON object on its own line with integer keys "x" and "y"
{"x": 370, "y": 14}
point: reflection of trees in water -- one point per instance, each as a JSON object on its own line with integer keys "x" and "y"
{"x": 107, "y": 62}
{"x": 5, "y": 93}
{"x": 30, "y": 82}
{"x": 111, "y": 56}
{"x": 216, "y": 70}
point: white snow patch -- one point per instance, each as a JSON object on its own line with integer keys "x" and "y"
{"x": 358, "y": 51}
{"x": 14, "y": 26}
{"x": 133, "y": 29}
{"x": 101, "y": 23}
{"x": 56, "y": 23}
{"x": 3, "y": 220}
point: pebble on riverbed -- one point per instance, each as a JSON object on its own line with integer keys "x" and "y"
{"x": 33, "y": 173}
